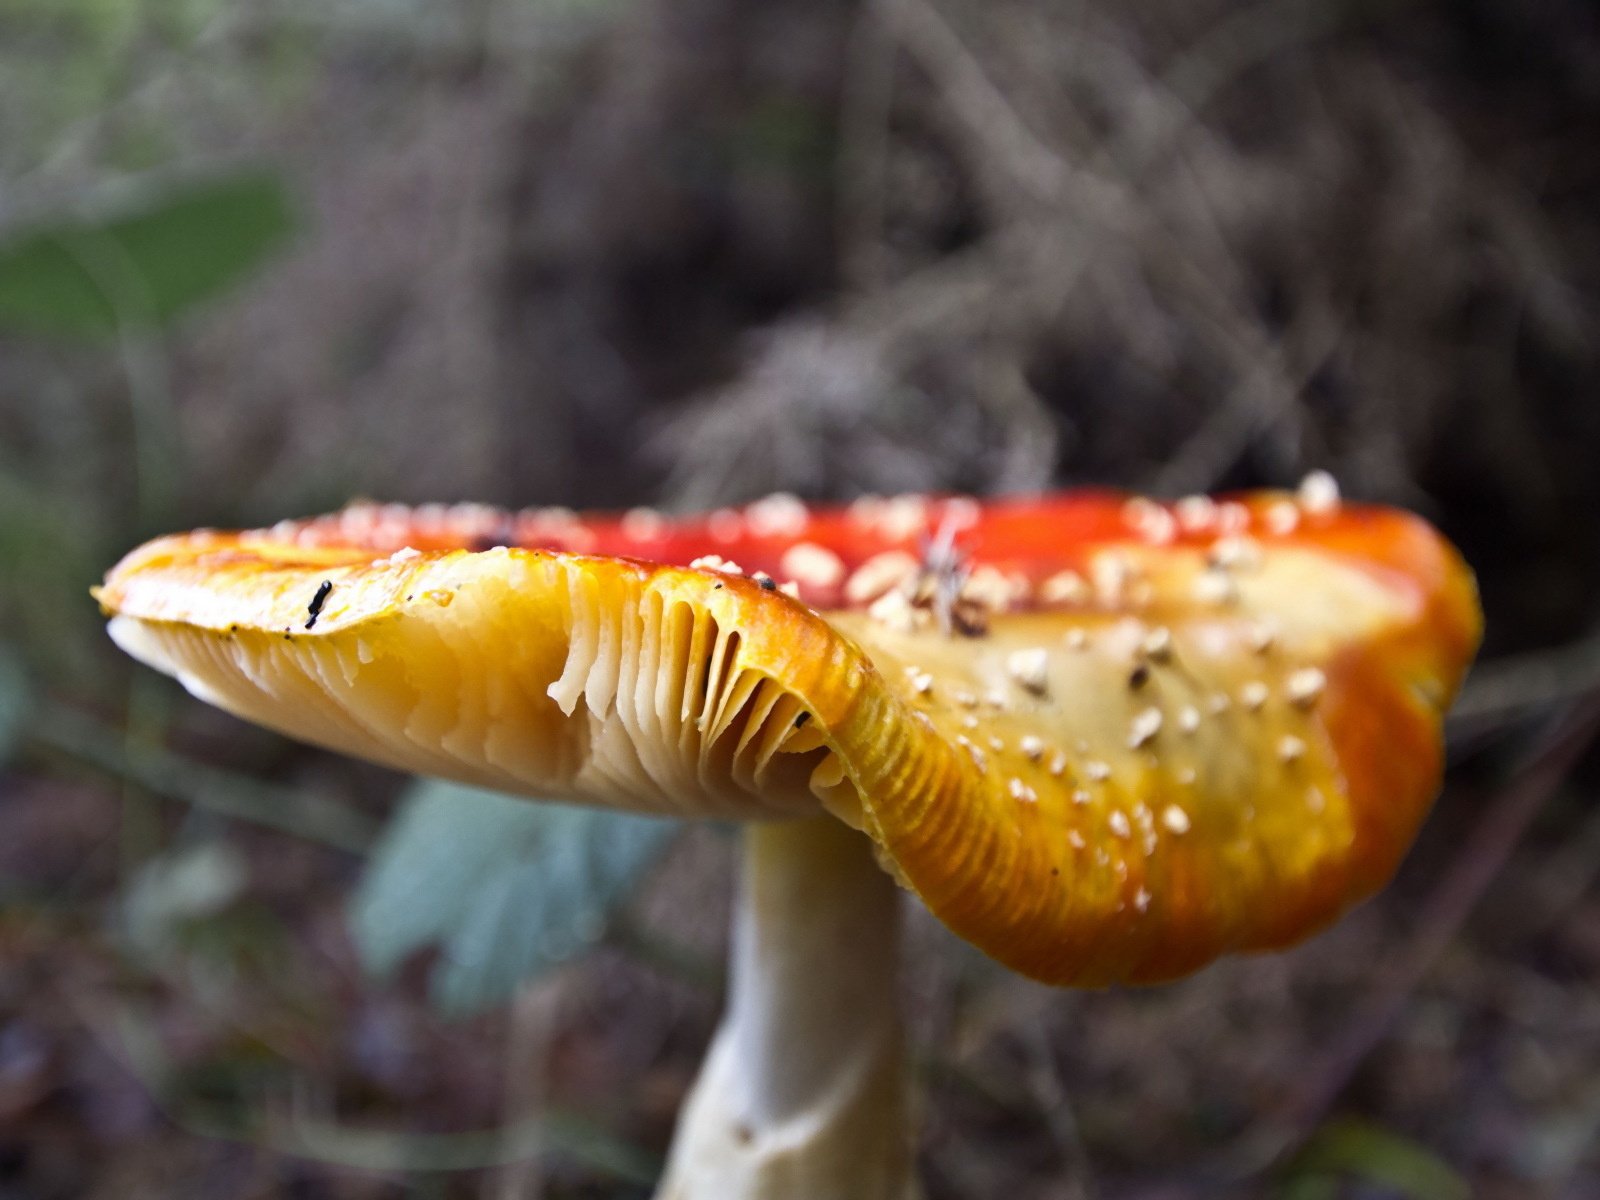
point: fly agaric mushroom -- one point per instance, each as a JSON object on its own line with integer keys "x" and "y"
{"x": 1104, "y": 740}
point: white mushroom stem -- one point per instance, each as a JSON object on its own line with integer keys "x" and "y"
{"x": 804, "y": 1092}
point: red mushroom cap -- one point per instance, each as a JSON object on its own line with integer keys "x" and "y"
{"x": 1104, "y": 739}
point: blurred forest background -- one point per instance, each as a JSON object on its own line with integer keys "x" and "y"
{"x": 258, "y": 257}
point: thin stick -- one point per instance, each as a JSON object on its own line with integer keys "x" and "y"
{"x": 1480, "y": 860}
{"x": 68, "y": 731}
{"x": 533, "y": 1019}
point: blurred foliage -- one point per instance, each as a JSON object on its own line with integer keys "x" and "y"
{"x": 179, "y": 892}
{"x": 304, "y": 812}
{"x": 134, "y": 258}
{"x": 1378, "y": 1159}
{"x": 51, "y": 547}
{"x": 14, "y": 702}
{"x": 221, "y": 1100}
{"x": 506, "y": 889}
{"x": 143, "y": 258}
{"x": 72, "y": 67}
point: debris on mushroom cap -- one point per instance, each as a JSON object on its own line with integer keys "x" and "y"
{"x": 1064, "y": 587}
{"x": 1146, "y": 724}
{"x": 1170, "y": 736}
{"x": 725, "y": 525}
{"x": 1262, "y": 635}
{"x": 1319, "y": 493}
{"x": 903, "y": 517}
{"x": 878, "y": 574}
{"x": 778, "y": 515}
{"x": 1195, "y": 513}
{"x": 1114, "y": 576}
{"x": 1215, "y": 587}
{"x": 1030, "y": 668}
{"x": 643, "y": 523}
{"x": 1235, "y": 551}
{"x": 1305, "y": 685}
{"x": 894, "y": 609}
{"x": 1154, "y": 522}
{"x": 813, "y": 565}
{"x": 1281, "y": 517}
{"x": 1157, "y": 645}
{"x": 993, "y": 590}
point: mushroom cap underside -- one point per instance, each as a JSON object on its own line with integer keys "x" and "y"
{"x": 1104, "y": 740}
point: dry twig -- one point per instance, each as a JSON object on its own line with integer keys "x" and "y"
{"x": 1446, "y": 908}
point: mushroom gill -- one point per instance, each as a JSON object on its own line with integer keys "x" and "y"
{"x": 526, "y": 672}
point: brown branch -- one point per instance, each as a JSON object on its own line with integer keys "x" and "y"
{"x": 1482, "y": 857}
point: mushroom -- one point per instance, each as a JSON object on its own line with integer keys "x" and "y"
{"x": 1111, "y": 782}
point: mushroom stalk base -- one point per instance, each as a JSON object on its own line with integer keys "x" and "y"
{"x": 804, "y": 1092}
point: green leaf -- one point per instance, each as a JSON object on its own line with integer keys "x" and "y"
{"x": 1374, "y": 1155}
{"x": 142, "y": 260}
{"x": 508, "y": 889}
